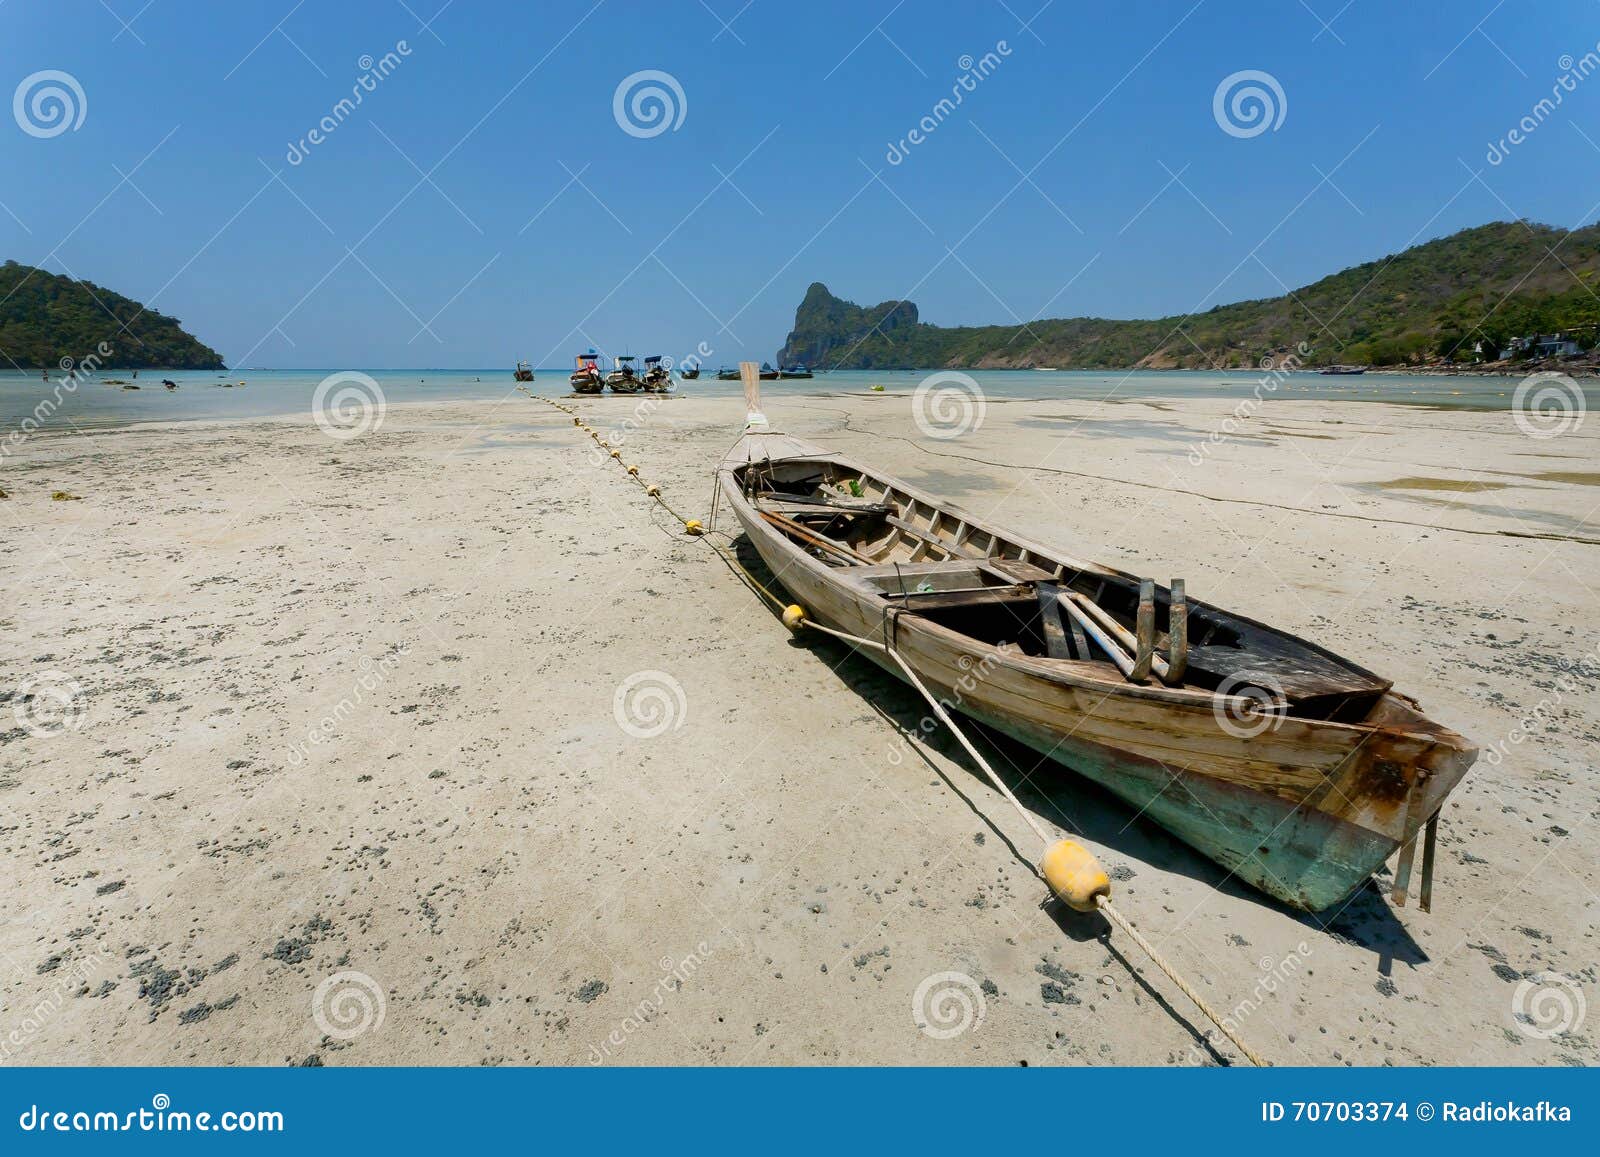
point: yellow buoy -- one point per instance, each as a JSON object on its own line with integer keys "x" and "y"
{"x": 577, "y": 421}
{"x": 793, "y": 615}
{"x": 633, "y": 470}
{"x": 693, "y": 527}
{"x": 1072, "y": 872}
{"x": 617, "y": 454}
{"x": 653, "y": 491}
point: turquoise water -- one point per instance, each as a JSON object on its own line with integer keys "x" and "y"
{"x": 206, "y": 394}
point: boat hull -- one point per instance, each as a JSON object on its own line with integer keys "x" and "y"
{"x": 1305, "y": 810}
{"x": 1302, "y": 856}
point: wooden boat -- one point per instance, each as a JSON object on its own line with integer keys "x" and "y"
{"x": 689, "y": 373}
{"x": 727, "y": 375}
{"x": 1296, "y": 770}
{"x": 1340, "y": 370}
{"x": 656, "y": 379}
{"x": 768, "y": 374}
{"x": 523, "y": 373}
{"x": 793, "y": 372}
{"x": 586, "y": 377}
{"x": 623, "y": 379}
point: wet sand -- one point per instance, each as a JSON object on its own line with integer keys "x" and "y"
{"x": 314, "y": 750}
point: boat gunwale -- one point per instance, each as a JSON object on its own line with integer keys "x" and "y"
{"x": 1034, "y": 666}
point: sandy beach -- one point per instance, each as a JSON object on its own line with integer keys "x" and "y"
{"x": 441, "y": 745}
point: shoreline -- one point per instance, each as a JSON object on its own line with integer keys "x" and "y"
{"x": 1134, "y": 386}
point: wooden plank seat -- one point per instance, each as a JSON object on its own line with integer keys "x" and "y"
{"x": 1022, "y": 572}
{"x": 822, "y": 500}
{"x": 808, "y": 508}
{"x": 915, "y": 600}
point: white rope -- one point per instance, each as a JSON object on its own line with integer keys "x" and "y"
{"x": 1103, "y": 902}
{"x": 944, "y": 717}
{"x": 1188, "y": 990}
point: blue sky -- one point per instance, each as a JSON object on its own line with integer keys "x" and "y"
{"x": 484, "y": 204}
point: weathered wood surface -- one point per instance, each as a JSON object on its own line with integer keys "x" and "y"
{"x": 1329, "y": 800}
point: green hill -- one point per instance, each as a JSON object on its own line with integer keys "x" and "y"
{"x": 45, "y": 317}
{"x": 1433, "y": 301}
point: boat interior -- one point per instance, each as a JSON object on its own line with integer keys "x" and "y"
{"x": 923, "y": 559}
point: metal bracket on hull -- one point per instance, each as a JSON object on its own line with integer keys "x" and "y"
{"x": 1408, "y": 849}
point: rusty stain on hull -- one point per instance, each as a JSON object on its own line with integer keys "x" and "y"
{"x": 1344, "y": 775}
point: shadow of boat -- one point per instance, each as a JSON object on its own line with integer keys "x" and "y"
{"x": 1052, "y": 791}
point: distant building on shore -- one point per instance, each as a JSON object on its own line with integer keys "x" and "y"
{"x": 1552, "y": 345}
{"x": 1555, "y": 346}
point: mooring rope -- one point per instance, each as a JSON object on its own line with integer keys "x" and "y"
{"x": 1102, "y": 902}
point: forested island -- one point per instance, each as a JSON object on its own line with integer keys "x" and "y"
{"x": 46, "y": 318}
{"x": 1461, "y": 299}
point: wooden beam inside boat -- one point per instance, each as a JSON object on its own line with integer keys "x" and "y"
{"x": 811, "y": 538}
{"x": 913, "y": 531}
